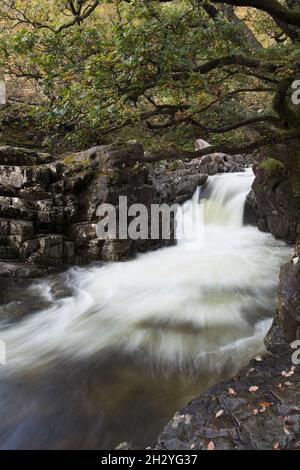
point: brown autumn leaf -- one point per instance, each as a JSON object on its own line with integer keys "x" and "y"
{"x": 211, "y": 446}
{"x": 265, "y": 404}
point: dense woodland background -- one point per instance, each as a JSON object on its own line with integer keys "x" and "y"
{"x": 85, "y": 72}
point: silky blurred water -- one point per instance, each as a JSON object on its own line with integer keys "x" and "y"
{"x": 114, "y": 351}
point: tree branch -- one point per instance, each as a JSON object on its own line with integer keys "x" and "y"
{"x": 178, "y": 154}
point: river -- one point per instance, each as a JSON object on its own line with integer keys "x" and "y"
{"x": 111, "y": 352}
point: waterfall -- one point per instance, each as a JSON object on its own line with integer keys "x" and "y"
{"x": 221, "y": 291}
{"x": 226, "y": 199}
{"x": 196, "y": 311}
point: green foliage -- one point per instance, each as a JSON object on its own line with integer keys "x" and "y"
{"x": 106, "y": 77}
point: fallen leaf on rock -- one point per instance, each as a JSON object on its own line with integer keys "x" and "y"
{"x": 211, "y": 446}
{"x": 253, "y": 389}
{"x": 291, "y": 372}
{"x": 265, "y": 404}
{"x": 220, "y": 413}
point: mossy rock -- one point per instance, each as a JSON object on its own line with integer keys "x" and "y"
{"x": 260, "y": 188}
{"x": 274, "y": 170}
{"x": 272, "y": 166}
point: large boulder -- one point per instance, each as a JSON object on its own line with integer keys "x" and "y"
{"x": 214, "y": 163}
{"x": 275, "y": 198}
{"x": 16, "y": 156}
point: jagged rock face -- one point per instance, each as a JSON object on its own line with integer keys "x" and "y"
{"x": 275, "y": 198}
{"x": 258, "y": 409}
{"x": 274, "y": 205}
{"x": 286, "y": 325}
{"x": 48, "y": 206}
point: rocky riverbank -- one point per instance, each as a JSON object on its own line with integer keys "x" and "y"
{"x": 48, "y": 203}
{"x": 275, "y": 198}
{"x": 48, "y": 223}
{"x": 259, "y": 407}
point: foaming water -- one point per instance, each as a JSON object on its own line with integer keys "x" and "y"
{"x": 171, "y": 322}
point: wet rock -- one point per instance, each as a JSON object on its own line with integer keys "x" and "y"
{"x": 255, "y": 410}
{"x": 249, "y": 217}
{"x": 22, "y": 157}
{"x": 48, "y": 207}
{"x": 83, "y": 232}
{"x": 115, "y": 251}
{"x": 214, "y": 163}
{"x": 8, "y": 253}
{"x": 69, "y": 252}
{"x": 18, "y": 177}
{"x": 14, "y": 212}
{"x": 285, "y": 328}
{"x": 50, "y": 251}
{"x": 19, "y": 270}
{"x": 34, "y": 193}
{"x": 6, "y": 190}
{"x": 275, "y": 199}
{"x": 4, "y": 230}
{"x": 21, "y": 228}
{"x": 14, "y": 274}
{"x": 12, "y": 176}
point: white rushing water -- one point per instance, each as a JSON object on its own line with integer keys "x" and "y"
{"x": 194, "y": 306}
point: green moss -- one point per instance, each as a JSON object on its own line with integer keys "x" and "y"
{"x": 114, "y": 175}
{"x": 174, "y": 165}
{"x": 71, "y": 160}
{"x": 260, "y": 187}
{"x": 272, "y": 166}
{"x": 76, "y": 165}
